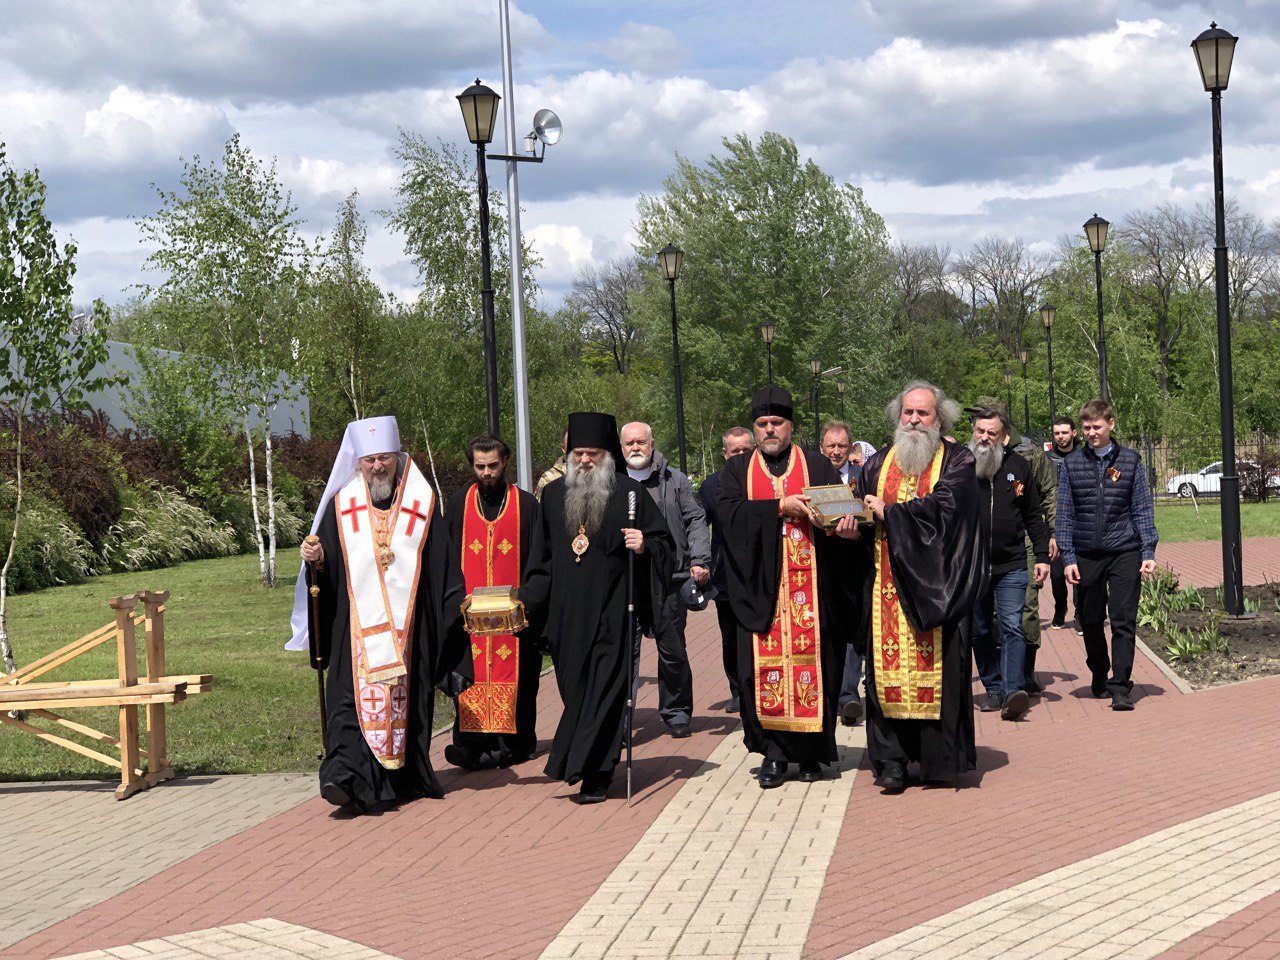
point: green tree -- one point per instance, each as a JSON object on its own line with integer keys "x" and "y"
{"x": 235, "y": 275}
{"x": 766, "y": 236}
{"x": 49, "y": 359}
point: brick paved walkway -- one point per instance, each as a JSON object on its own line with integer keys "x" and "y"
{"x": 1084, "y": 833}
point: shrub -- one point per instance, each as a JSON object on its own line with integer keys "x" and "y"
{"x": 50, "y": 550}
{"x": 159, "y": 528}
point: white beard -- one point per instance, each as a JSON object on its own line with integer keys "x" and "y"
{"x": 587, "y": 494}
{"x": 382, "y": 489}
{"x": 987, "y": 459}
{"x": 914, "y": 447}
{"x": 638, "y": 461}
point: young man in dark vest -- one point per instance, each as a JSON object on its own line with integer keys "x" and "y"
{"x": 1106, "y": 530}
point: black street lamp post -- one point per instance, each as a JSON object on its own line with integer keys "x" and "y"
{"x": 1095, "y": 228}
{"x": 1049, "y": 313}
{"x": 767, "y": 331}
{"x": 840, "y": 384}
{"x": 479, "y": 110}
{"x": 1008, "y": 390}
{"x": 1024, "y": 355}
{"x": 1214, "y": 50}
{"x": 815, "y": 364}
{"x": 672, "y": 259}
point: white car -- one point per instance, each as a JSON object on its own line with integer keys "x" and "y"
{"x": 1209, "y": 480}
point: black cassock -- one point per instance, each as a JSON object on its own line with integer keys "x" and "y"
{"x": 752, "y": 531}
{"x": 533, "y": 594}
{"x": 441, "y": 655}
{"x": 937, "y": 554}
{"x": 587, "y": 624}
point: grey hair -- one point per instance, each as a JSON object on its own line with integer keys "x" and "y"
{"x": 638, "y": 423}
{"x": 735, "y": 432}
{"x": 948, "y": 409}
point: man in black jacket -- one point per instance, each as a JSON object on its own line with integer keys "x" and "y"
{"x": 1065, "y": 441}
{"x": 1009, "y": 499}
{"x": 735, "y": 442}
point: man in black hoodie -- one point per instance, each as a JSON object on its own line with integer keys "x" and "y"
{"x": 1065, "y": 442}
{"x": 1009, "y": 501}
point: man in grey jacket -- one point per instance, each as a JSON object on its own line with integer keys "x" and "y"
{"x": 673, "y": 493}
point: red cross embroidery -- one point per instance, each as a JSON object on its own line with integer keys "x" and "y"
{"x": 414, "y": 516}
{"x": 354, "y": 513}
{"x": 373, "y": 699}
{"x": 399, "y": 699}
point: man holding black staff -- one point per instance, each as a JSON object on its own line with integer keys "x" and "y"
{"x": 791, "y": 593}
{"x": 496, "y": 529}
{"x": 588, "y": 536}
{"x": 390, "y": 630}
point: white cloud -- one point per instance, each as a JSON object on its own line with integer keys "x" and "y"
{"x": 646, "y": 48}
{"x": 989, "y": 23}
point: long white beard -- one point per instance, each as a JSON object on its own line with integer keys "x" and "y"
{"x": 587, "y": 494}
{"x": 382, "y": 489}
{"x": 914, "y": 447}
{"x": 987, "y": 459}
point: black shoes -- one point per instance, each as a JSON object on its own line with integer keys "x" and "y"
{"x": 462, "y": 757}
{"x": 1058, "y": 622}
{"x": 992, "y": 703}
{"x": 734, "y": 706}
{"x": 1015, "y": 705}
{"x": 593, "y": 790}
{"x": 678, "y": 730}
{"x": 850, "y": 712}
{"x": 810, "y": 772}
{"x": 339, "y": 797}
{"x": 1120, "y": 700}
{"x": 894, "y": 777}
{"x": 773, "y": 773}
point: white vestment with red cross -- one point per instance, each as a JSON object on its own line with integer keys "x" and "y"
{"x": 382, "y": 603}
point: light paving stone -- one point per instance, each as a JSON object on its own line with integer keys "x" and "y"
{"x": 102, "y": 847}
{"x": 1134, "y": 902}
{"x": 279, "y": 941}
{"x": 728, "y": 868}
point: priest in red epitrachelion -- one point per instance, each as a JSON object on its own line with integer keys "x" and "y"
{"x": 389, "y": 620}
{"x": 496, "y": 530}
{"x": 792, "y": 587}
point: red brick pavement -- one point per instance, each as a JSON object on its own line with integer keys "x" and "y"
{"x": 1253, "y": 932}
{"x": 436, "y": 878}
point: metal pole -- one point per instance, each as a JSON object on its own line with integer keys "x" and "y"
{"x": 1233, "y": 598}
{"x": 1008, "y": 394}
{"x": 1026, "y": 403}
{"x": 768, "y": 350}
{"x": 675, "y": 363}
{"x": 1102, "y": 334}
{"x": 486, "y": 299}
{"x": 816, "y": 425}
{"x": 523, "y": 444}
{"x": 1048, "y": 344}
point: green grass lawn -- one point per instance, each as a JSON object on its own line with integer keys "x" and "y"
{"x": 1180, "y": 522}
{"x": 262, "y": 714}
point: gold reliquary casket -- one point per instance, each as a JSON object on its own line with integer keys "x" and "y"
{"x": 493, "y": 610}
{"x": 831, "y": 503}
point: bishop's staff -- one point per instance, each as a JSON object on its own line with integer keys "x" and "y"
{"x": 632, "y": 653}
{"x": 313, "y": 644}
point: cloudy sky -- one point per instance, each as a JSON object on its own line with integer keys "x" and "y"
{"x": 1018, "y": 117}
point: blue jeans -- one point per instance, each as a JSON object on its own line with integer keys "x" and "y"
{"x": 1000, "y": 661}
{"x": 852, "y": 677}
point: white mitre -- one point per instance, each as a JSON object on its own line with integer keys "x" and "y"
{"x": 363, "y": 438}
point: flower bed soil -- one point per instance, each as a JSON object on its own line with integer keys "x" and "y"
{"x": 1253, "y": 644}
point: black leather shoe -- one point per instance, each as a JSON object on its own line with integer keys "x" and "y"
{"x": 773, "y": 773}
{"x": 679, "y": 730}
{"x": 810, "y": 772}
{"x": 850, "y": 713}
{"x": 734, "y": 706}
{"x": 590, "y": 794}
{"x": 1120, "y": 700}
{"x": 894, "y": 778}
{"x": 461, "y": 757}
{"x": 1015, "y": 705}
{"x": 336, "y": 795}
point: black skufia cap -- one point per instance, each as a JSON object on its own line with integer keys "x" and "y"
{"x": 598, "y": 431}
{"x": 772, "y": 402}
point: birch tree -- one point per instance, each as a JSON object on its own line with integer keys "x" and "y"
{"x": 235, "y": 268}
{"x": 50, "y": 361}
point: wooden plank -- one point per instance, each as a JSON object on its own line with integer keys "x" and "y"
{"x": 129, "y": 700}
{"x": 60, "y": 656}
{"x": 61, "y": 741}
{"x": 29, "y": 695}
{"x": 157, "y": 736}
{"x": 190, "y": 679}
{"x": 79, "y": 728}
